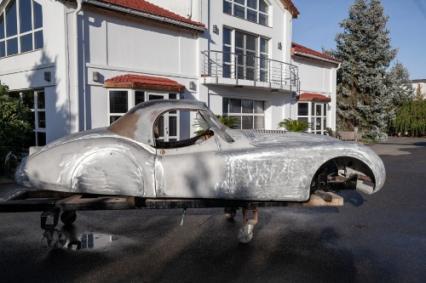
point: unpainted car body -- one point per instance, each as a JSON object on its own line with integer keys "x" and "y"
{"x": 253, "y": 165}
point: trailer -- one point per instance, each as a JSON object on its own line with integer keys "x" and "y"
{"x": 57, "y": 206}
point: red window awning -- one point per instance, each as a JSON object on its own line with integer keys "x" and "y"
{"x": 144, "y": 82}
{"x": 315, "y": 97}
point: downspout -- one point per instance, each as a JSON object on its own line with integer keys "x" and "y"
{"x": 76, "y": 67}
{"x": 190, "y": 10}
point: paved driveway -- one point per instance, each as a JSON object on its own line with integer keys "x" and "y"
{"x": 381, "y": 238}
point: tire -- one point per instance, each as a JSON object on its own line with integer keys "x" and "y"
{"x": 68, "y": 217}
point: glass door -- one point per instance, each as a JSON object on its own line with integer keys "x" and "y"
{"x": 167, "y": 126}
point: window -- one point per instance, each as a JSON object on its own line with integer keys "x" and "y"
{"x": 315, "y": 114}
{"x": 21, "y": 27}
{"x": 249, "y": 114}
{"x": 35, "y": 101}
{"x": 256, "y": 11}
{"x": 121, "y": 101}
{"x": 249, "y": 55}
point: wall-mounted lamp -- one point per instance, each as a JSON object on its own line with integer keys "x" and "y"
{"x": 192, "y": 86}
{"x": 280, "y": 45}
{"x": 215, "y": 29}
{"x": 47, "y": 76}
{"x": 97, "y": 77}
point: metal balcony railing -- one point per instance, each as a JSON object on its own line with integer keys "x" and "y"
{"x": 272, "y": 73}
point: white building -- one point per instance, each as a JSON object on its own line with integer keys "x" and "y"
{"x": 82, "y": 64}
{"x": 419, "y": 86}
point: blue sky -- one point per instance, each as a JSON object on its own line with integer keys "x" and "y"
{"x": 319, "y": 20}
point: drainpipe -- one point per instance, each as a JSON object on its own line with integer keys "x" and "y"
{"x": 190, "y": 10}
{"x": 76, "y": 67}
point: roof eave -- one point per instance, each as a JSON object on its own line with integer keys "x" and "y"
{"x": 144, "y": 15}
{"x": 317, "y": 57}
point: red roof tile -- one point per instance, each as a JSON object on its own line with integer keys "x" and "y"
{"x": 149, "y": 8}
{"x": 144, "y": 82}
{"x": 305, "y": 51}
{"x": 316, "y": 97}
{"x": 289, "y": 5}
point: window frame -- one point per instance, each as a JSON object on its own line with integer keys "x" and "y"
{"x": 131, "y": 102}
{"x": 19, "y": 35}
{"x": 312, "y": 116}
{"x": 241, "y": 114}
{"x": 260, "y": 55}
{"x": 247, "y": 8}
{"x": 34, "y": 108}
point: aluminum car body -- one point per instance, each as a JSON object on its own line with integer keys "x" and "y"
{"x": 244, "y": 165}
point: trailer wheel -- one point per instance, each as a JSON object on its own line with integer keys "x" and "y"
{"x": 68, "y": 217}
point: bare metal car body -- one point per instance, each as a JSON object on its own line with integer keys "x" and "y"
{"x": 249, "y": 165}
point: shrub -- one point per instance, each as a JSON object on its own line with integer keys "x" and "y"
{"x": 15, "y": 130}
{"x": 410, "y": 119}
{"x": 294, "y": 125}
{"x": 229, "y": 121}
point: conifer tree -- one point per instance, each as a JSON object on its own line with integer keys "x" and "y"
{"x": 364, "y": 48}
{"x": 399, "y": 85}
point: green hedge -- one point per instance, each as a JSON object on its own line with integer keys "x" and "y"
{"x": 410, "y": 119}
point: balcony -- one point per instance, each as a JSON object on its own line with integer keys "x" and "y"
{"x": 232, "y": 69}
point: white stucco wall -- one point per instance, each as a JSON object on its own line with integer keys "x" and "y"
{"x": 26, "y": 71}
{"x": 319, "y": 77}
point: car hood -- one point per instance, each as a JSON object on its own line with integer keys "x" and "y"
{"x": 267, "y": 138}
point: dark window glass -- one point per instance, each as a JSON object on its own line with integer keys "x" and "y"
{"x": 226, "y": 54}
{"x": 235, "y": 106}
{"x": 237, "y": 124}
{"x": 252, "y": 16}
{"x": 227, "y": 8}
{"x": 2, "y": 49}
{"x": 242, "y": 2}
{"x": 28, "y": 99}
{"x": 41, "y": 138}
{"x": 225, "y": 102}
{"x": 41, "y": 119}
{"x": 240, "y": 56}
{"x": 226, "y": 36}
{"x": 25, "y": 15}
{"x": 250, "y": 58}
{"x": 302, "y": 109}
{"x": 33, "y": 139}
{"x": 11, "y": 27}
{"x": 240, "y": 71}
{"x": 250, "y": 74}
{"x": 263, "y": 45}
{"x": 26, "y": 42}
{"x": 172, "y": 126}
{"x": 259, "y": 107}
{"x": 252, "y": 4}
{"x": 139, "y": 97}
{"x": 12, "y": 46}
{"x": 263, "y": 19}
{"x": 38, "y": 40}
{"x": 38, "y": 15}
{"x": 263, "y": 6}
{"x": 112, "y": 119}
{"x": 40, "y": 100}
{"x": 247, "y": 122}
{"x": 239, "y": 11}
{"x": 239, "y": 39}
{"x": 172, "y": 96}
{"x": 1, "y": 26}
{"x": 247, "y": 106}
{"x": 118, "y": 101}
{"x": 32, "y": 122}
{"x": 259, "y": 122}
{"x": 250, "y": 42}
{"x": 226, "y": 71}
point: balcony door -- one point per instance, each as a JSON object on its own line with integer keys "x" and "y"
{"x": 246, "y": 51}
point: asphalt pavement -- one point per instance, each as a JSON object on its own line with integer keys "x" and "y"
{"x": 378, "y": 238}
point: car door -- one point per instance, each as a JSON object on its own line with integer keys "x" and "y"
{"x": 195, "y": 171}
